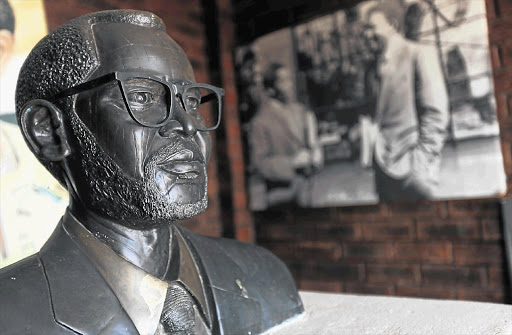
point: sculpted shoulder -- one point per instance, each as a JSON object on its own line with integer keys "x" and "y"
{"x": 25, "y": 307}
{"x": 251, "y": 275}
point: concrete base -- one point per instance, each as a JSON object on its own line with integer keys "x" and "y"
{"x": 335, "y": 314}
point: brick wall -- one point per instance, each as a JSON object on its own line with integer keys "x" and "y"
{"x": 185, "y": 24}
{"x": 440, "y": 249}
{"x": 451, "y": 250}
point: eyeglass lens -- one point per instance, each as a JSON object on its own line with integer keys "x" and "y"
{"x": 203, "y": 104}
{"x": 150, "y": 102}
{"x": 147, "y": 99}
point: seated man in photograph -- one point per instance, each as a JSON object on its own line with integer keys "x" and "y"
{"x": 109, "y": 104}
{"x": 284, "y": 144}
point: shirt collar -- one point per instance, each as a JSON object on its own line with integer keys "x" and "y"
{"x": 141, "y": 294}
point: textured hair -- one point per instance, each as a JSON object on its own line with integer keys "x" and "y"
{"x": 67, "y": 57}
{"x": 270, "y": 75}
{"x": 6, "y": 16}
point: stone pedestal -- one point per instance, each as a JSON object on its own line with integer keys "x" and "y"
{"x": 335, "y": 314}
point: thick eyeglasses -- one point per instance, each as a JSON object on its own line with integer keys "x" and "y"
{"x": 145, "y": 94}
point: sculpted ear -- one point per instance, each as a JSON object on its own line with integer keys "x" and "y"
{"x": 42, "y": 125}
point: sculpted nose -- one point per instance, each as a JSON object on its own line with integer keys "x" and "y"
{"x": 181, "y": 123}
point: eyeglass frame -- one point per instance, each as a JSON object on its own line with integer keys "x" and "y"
{"x": 176, "y": 91}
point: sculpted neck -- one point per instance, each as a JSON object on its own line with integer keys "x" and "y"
{"x": 147, "y": 249}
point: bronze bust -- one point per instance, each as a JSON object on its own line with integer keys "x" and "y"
{"x": 109, "y": 105}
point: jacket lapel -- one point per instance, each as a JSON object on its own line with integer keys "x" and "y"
{"x": 237, "y": 312}
{"x": 82, "y": 300}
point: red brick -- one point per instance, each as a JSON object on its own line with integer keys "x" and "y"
{"x": 496, "y": 296}
{"x": 233, "y": 130}
{"x": 342, "y": 231}
{"x": 362, "y": 212}
{"x": 320, "y": 286}
{"x": 283, "y": 232}
{"x": 506, "y": 130}
{"x": 230, "y": 97}
{"x": 449, "y": 276}
{"x": 472, "y": 207}
{"x": 418, "y": 209}
{"x": 499, "y": 29}
{"x": 496, "y": 54}
{"x": 393, "y": 273}
{"x": 305, "y": 250}
{"x": 317, "y": 250}
{"x": 224, "y": 5}
{"x": 243, "y": 218}
{"x": 475, "y": 254}
{"x": 368, "y": 251}
{"x": 490, "y": 10}
{"x": 373, "y": 289}
{"x": 502, "y": 105}
{"x": 491, "y": 229}
{"x": 504, "y": 7}
{"x": 239, "y": 199}
{"x": 455, "y": 229}
{"x": 191, "y": 28}
{"x": 284, "y": 250}
{"x": 425, "y": 292}
{"x": 506, "y": 150}
{"x": 237, "y": 166}
{"x": 503, "y": 80}
{"x": 330, "y": 271}
{"x": 313, "y": 215}
{"x": 425, "y": 252}
{"x": 389, "y": 231}
{"x": 245, "y": 234}
{"x": 496, "y": 277}
{"x": 506, "y": 53}
{"x": 508, "y": 97}
{"x": 234, "y": 146}
{"x": 273, "y": 216}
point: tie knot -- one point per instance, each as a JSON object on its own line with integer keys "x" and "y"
{"x": 178, "y": 313}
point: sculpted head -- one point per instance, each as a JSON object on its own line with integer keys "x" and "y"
{"x": 108, "y": 103}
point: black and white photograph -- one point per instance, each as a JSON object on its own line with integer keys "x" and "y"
{"x": 387, "y": 101}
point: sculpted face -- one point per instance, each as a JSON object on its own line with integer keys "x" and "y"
{"x": 147, "y": 175}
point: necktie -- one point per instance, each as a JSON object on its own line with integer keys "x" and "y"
{"x": 178, "y": 317}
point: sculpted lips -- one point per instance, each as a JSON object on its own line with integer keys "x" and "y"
{"x": 179, "y": 167}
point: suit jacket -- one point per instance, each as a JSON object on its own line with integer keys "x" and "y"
{"x": 60, "y": 291}
{"x": 412, "y": 111}
{"x": 277, "y": 133}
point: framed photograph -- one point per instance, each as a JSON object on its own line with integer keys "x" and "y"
{"x": 386, "y": 101}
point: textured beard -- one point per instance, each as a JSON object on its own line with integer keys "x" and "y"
{"x": 115, "y": 196}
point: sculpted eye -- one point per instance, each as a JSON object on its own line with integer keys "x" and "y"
{"x": 192, "y": 103}
{"x": 141, "y": 98}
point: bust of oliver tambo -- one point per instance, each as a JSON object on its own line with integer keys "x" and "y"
{"x": 109, "y": 105}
